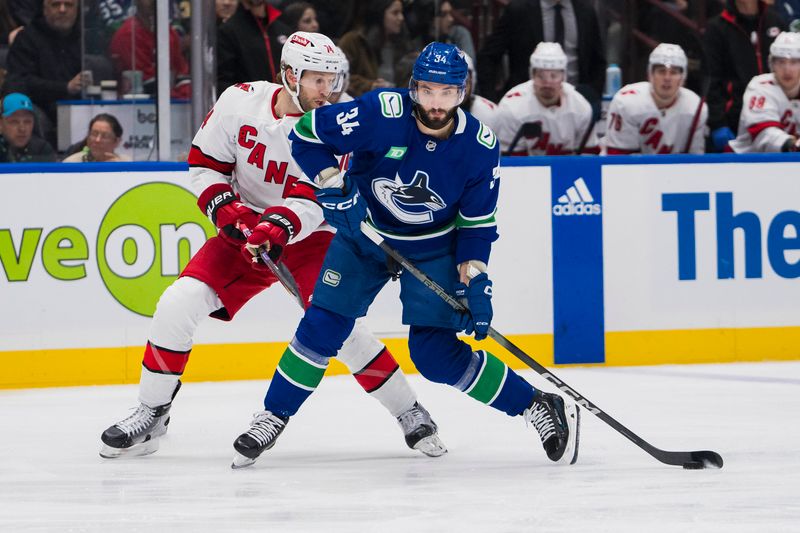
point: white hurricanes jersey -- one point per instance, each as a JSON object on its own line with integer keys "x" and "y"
{"x": 768, "y": 117}
{"x": 243, "y": 143}
{"x": 484, "y": 110}
{"x": 563, "y": 125}
{"x": 636, "y": 124}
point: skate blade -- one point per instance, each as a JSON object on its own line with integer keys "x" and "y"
{"x": 431, "y": 446}
{"x": 137, "y": 450}
{"x": 240, "y": 461}
{"x": 571, "y": 451}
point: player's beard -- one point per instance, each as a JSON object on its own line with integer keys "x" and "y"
{"x": 434, "y": 123}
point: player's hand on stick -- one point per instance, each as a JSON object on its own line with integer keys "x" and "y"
{"x": 271, "y": 234}
{"x": 226, "y": 212}
{"x": 344, "y": 208}
{"x": 478, "y": 296}
{"x": 792, "y": 144}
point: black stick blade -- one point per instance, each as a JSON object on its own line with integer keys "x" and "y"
{"x": 708, "y": 458}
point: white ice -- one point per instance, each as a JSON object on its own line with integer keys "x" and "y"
{"x": 342, "y": 465}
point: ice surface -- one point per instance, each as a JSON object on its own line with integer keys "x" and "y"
{"x": 342, "y": 465}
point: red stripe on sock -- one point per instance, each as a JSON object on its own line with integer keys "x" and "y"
{"x": 164, "y": 361}
{"x": 377, "y": 372}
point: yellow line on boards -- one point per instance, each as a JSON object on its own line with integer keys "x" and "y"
{"x": 225, "y": 362}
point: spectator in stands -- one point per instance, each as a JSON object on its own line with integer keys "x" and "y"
{"x": 133, "y": 47}
{"x": 333, "y": 16}
{"x": 225, "y": 9}
{"x": 561, "y": 117}
{"x": 736, "y": 46}
{"x": 45, "y": 60}
{"x": 249, "y": 44}
{"x": 18, "y": 144}
{"x": 432, "y": 20}
{"x": 9, "y": 27}
{"x": 105, "y": 135}
{"x": 483, "y": 109}
{"x": 769, "y": 121}
{"x": 375, "y": 47}
{"x": 658, "y": 116}
{"x": 523, "y": 24}
{"x": 301, "y": 16}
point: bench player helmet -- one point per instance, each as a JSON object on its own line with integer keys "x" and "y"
{"x": 669, "y": 55}
{"x": 440, "y": 63}
{"x": 310, "y": 51}
{"x": 786, "y": 44}
{"x": 548, "y": 56}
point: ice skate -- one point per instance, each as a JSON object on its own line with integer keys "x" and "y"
{"x": 558, "y": 424}
{"x": 421, "y": 431}
{"x": 136, "y": 435}
{"x": 264, "y": 431}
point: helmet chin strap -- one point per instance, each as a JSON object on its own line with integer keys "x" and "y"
{"x": 294, "y": 94}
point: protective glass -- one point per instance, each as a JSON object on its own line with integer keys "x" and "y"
{"x": 322, "y": 82}
{"x": 435, "y": 95}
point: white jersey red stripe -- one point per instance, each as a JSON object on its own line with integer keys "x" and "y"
{"x": 563, "y": 125}
{"x": 769, "y": 118}
{"x": 244, "y": 144}
{"x": 635, "y": 124}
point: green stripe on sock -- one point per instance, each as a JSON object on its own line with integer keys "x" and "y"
{"x": 488, "y": 383}
{"x": 300, "y": 370}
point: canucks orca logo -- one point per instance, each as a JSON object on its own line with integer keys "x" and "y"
{"x": 412, "y": 203}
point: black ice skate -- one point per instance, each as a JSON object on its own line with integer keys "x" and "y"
{"x": 558, "y": 424}
{"x": 421, "y": 431}
{"x": 263, "y": 432}
{"x": 138, "y": 434}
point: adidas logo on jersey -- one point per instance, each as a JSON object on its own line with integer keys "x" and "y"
{"x": 576, "y": 201}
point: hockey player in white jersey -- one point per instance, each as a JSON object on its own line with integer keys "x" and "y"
{"x": 771, "y": 107}
{"x": 242, "y": 169}
{"x": 658, "y": 116}
{"x": 564, "y": 115}
{"x": 481, "y": 108}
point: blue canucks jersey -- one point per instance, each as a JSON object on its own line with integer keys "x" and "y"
{"x": 423, "y": 194}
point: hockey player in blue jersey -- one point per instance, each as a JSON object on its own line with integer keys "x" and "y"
{"x": 424, "y": 175}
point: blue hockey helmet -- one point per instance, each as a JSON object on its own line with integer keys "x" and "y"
{"x": 440, "y": 63}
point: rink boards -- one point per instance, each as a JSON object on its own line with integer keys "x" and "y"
{"x": 618, "y": 261}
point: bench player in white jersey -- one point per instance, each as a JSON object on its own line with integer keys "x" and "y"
{"x": 658, "y": 116}
{"x": 240, "y": 167}
{"x": 475, "y": 104}
{"x": 771, "y": 107}
{"x": 564, "y": 115}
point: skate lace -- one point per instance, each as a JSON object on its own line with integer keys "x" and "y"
{"x": 140, "y": 419}
{"x": 265, "y": 427}
{"x": 413, "y": 418}
{"x": 541, "y": 420}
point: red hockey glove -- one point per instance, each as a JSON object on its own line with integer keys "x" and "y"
{"x": 226, "y": 212}
{"x": 271, "y": 235}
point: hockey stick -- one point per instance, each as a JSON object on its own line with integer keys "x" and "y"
{"x": 528, "y": 130}
{"x": 697, "y": 113}
{"x": 585, "y": 137}
{"x": 280, "y": 271}
{"x": 690, "y": 460}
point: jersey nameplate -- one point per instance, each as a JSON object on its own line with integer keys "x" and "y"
{"x": 391, "y": 104}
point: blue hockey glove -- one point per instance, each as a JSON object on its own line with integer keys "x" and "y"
{"x": 478, "y": 295}
{"x": 344, "y": 208}
{"x": 721, "y": 136}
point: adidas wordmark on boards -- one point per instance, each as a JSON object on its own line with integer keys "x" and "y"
{"x": 578, "y": 200}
